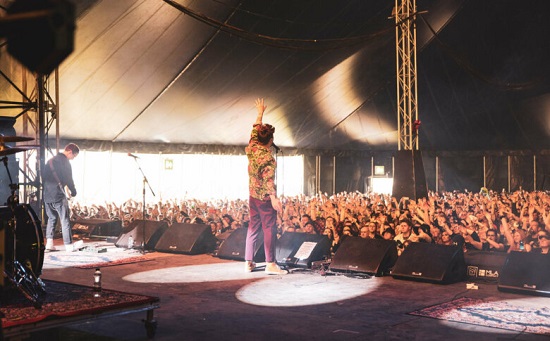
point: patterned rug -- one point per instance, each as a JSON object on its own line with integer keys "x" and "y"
{"x": 66, "y": 300}
{"x": 92, "y": 256}
{"x": 497, "y": 314}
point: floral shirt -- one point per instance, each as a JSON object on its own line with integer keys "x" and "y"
{"x": 261, "y": 168}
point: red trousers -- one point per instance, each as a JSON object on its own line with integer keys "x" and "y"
{"x": 263, "y": 217}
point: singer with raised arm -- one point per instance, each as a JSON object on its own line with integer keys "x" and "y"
{"x": 57, "y": 178}
{"x": 263, "y": 201}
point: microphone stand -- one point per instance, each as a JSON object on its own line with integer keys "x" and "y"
{"x": 145, "y": 181}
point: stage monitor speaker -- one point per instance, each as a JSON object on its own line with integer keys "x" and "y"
{"x": 441, "y": 264}
{"x": 192, "y": 239}
{"x": 484, "y": 266}
{"x": 97, "y": 228}
{"x": 233, "y": 247}
{"x": 526, "y": 273}
{"x": 371, "y": 256}
{"x": 145, "y": 233}
{"x": 297, "y": 249}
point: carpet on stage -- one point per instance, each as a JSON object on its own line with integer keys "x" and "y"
{"x": 93, "y": 255}
{"x": 66, "y": 300}
{"x": 496, "y": 314}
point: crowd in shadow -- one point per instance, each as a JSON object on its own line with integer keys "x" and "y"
{"x": 485, "y": 221}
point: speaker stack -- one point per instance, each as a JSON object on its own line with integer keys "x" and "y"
{"x": 409, "y": 179}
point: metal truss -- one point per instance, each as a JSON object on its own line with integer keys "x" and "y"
{"x": 405, "y": 45}
{"x": 36, "y": 107}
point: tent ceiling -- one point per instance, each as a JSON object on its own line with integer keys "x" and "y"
{"x": 143, "y": 70}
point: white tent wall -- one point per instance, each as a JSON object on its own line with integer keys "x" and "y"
{"x": 116, "y": 177}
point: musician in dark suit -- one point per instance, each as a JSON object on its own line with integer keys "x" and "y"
{"x": 57, "y": 178}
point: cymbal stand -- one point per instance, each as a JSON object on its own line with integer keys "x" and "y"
{"x": 21, "y": 276}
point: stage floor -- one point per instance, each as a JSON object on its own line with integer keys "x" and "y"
{"x": 206, "y": 298}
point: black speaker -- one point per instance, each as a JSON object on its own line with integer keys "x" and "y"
{"x": 484, "y": 266}
{"x": 145, "y": 234}
{"x": 409, "y": 179}
{"x": 190, "y": 239}
{"x": 526, "y": 273}
{"x": 441, "y": 264}
{"x": 97, "y": 228}
{"x": 233, "y": 247}
{"x": 371, "y": 256}
{"x": 46, "y": 37}
{"x": 297, "y": 249}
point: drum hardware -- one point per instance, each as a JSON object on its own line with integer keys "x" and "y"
{"x": 21, "y": 273}
{"x": 6, "y": 150}
{"x": 4, "y": 139}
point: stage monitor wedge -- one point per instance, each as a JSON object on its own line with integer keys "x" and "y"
{"x": 192, "y": 239}
{"x": 526, "y": 273}
{"x": 233, "y": 247}
{"x": 426, "y": 262}
{"x": 97, "y": 228}
{"x": 370, "y": 256}
{"x": 297, "y": 249}
{"x": 145, "y": 234}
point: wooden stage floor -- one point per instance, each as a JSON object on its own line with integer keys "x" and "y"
{"x": 206, "y": 298}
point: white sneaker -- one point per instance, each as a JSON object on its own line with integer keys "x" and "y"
{"x": 78, "y": 245}
{"x": 272, "y": 268}
{"x": 49, "y": 245}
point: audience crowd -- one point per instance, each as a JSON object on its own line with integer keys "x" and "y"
{"x": 487, "y": 221}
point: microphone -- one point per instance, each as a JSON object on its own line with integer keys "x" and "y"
{"x": 277, "y": 149}
{"x": 132, "y": 155}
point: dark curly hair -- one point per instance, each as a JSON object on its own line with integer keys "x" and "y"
{"x": 265, "y": 133}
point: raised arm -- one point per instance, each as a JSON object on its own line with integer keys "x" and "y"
{"x": 260, "y": 107}
{"x": 506, "y": 231}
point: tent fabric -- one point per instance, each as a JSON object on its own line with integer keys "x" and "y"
{"x": 146, "y": 75}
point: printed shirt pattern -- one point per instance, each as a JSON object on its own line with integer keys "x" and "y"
{"x": 261, "y": 168}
